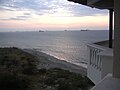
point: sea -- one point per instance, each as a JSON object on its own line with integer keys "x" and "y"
{"x": 70, "y": 46}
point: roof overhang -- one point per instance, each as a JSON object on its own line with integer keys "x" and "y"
{"x": 100, "y": 4}
{"x": 83, "y": 2}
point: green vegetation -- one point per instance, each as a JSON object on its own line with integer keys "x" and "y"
{"x": 15, "y": 66}
{"x": 65, "y": 80}
{"x": 18, "y": 72}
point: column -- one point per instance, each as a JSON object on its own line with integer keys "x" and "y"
{"x": 116, "y": 62}
{"x": 110, "y": 28}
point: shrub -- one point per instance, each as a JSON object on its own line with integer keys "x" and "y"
{"x": 9, "y": 81}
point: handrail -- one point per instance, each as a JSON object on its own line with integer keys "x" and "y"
{"x": 97, "y": 46}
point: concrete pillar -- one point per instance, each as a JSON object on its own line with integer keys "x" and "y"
{"x": 116, "y": 62}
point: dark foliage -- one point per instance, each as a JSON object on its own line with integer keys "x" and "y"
{"x": 18, "y": 72}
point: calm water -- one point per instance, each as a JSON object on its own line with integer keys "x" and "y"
{"x": 65, "y": 45}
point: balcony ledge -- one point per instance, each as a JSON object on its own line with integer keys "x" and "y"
{"x": 106, "y": 53}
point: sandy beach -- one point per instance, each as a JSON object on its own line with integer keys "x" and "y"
{"x": 47, "y": 61}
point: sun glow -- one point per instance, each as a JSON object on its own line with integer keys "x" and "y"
{"x": 57, "y": 22}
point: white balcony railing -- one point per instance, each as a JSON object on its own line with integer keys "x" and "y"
{"x": 100, "y": 61}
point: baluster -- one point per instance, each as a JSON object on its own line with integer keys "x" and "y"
{"x": 96, "y": 58}
{"x": 93, "y": 57}
{"x": 90, "y": 56}
{"x": 100, "y": 64}
{"x": 97, "y": 63}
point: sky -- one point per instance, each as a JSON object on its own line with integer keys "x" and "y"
{"x": 50, "y": 15}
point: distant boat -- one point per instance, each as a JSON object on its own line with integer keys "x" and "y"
{"x": 65, "y": 30}
{"x": 84, "y": 30}
{"x": 41, "y": 31}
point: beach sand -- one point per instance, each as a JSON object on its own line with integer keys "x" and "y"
{"x": 47, "y": 61}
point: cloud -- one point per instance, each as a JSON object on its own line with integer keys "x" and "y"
{"x": 26, "y": 16}
{"x": 51, "y": 7}
{"x": 5, "y": 9}
{"x": 15, "y": 18}
{"x": 27, "y": 13}
{"x": 80, "y": 10}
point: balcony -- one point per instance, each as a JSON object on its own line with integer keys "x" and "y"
{"x": 100, "y": 62}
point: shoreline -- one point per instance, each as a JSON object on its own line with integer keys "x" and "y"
{"x": 51, "y": 62}
{"x": 81, "y": 64}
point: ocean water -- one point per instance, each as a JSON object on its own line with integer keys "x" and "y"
{"x": 65, "y": 45}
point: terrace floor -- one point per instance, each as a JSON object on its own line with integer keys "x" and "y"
{"x": 108, "y": 83}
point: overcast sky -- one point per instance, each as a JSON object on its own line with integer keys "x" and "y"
{"x": 27, "y": 15}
